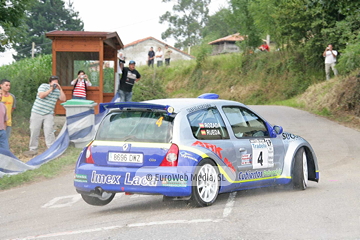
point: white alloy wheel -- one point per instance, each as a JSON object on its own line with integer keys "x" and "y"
{"x": 205, "y": 187}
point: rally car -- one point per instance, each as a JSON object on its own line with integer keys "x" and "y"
{"x": 189, "y": 149}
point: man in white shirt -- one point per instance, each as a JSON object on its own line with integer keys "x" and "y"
{"x": 159, "y": 57}
{"x": 330, "y": 60}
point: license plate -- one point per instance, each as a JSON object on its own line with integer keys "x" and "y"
{"x": 125, "y": 157}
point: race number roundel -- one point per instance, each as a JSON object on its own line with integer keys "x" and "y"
{"x": 263, "y": 153}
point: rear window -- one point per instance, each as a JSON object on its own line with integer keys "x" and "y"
{"x": 136, "y": 126}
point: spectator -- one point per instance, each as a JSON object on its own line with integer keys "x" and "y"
{"x": 80, "y": 85}
{"x": 4, "y": 143}
{"x": 151, "y": 56}
{"x": 159, "y": 57}
{"x": 265, "y": 47}
{"x": 42, "y": 113}
{"x": 129, "y": 77}
{"x": 330, "y": 60}
{"x": 10, "y": 103}
{"x": 167, "y": 55}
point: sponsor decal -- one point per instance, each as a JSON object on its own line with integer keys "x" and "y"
{"x": 125, "y": 146}
{"x": 80, "y": 178}
{"x": 138, "y": 181}
{"x": 248, "y": 175}
{"x": 199, "y": 107}
{"x": 289, "y": 136}
{"x": 246, "y": 159}
{"x": 105, "y": 179}
{"x": 272, "y": 173}
{"x": 188, "y": 156}
{"x": 216, "y": 150}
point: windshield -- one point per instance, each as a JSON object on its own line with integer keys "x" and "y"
{"x": 136, "y": 126}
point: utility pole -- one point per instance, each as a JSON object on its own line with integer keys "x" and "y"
{"x": 32, "y": 50}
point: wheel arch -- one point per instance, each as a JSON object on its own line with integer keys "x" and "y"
{"x": 311, "y": 162}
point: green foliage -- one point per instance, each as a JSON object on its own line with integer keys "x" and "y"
{"x": 12, "y": 13}
{"x": 201, "y": 54}
{"x": 186, "y": 21}
{"x": 43, "y": 17}
{"x": 349, "y": 59}
{"x": 48, "y": 170}
{"x": 219, "y": 25}
{"x": 242, "y": 17}
{"x": 26, "y": 76}
{"x": 150, "y": 85}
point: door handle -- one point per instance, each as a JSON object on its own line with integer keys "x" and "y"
{"x": 242, "y": 149}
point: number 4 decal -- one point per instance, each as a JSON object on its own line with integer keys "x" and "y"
{"x": 262, "y": 152}
{"x": 260, "y": 158}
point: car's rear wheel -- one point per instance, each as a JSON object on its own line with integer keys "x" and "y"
{"x": 102, "y": 200}
{"x": 300, "y": 171}
{"x": 205, "y": 184}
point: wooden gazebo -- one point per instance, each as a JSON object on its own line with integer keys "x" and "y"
{"x": 91, "y": 49}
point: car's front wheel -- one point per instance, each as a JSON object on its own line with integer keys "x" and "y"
{"x": 205, "y": 184}
{"x": 300, "y": 171}
{"x": 102, "y": 200}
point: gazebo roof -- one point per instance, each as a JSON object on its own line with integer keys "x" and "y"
{"x": 108, "y": 36}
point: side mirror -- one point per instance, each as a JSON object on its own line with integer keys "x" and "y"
{"x": 278, "y": 129}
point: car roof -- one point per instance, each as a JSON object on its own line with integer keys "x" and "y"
{"x": 184, "y": 103}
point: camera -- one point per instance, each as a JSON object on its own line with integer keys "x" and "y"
{"x": 54, "y": 86}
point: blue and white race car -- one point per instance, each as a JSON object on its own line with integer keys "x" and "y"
{"x": 189, "y": 149}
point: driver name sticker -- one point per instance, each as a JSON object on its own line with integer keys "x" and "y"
{"x": 263, "y": 153}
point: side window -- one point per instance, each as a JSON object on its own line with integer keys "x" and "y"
{"x": 245, "y": 123}
{"x": 207, "y": 124}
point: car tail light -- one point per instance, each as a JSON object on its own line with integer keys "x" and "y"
{"x": 88, "y": 156}
{"x": 171, "y": 157}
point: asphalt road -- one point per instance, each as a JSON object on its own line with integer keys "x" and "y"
{"x": 329, "y": 209}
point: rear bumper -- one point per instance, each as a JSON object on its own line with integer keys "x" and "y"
{"x": 147, "y": 180}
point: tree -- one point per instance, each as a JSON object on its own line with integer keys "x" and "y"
{"x": 219, "y": 25}
{"x": 189, "y": 17}
{"x": 43, "y": 17}
{"x": 12, "y": 13}
{"x": 242, "y": 17}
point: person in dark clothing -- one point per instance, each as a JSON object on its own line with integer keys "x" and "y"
{"x": 129, "y": 76}
{"x": 151, "y": 56}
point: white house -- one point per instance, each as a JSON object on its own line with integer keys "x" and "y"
{"x": 138, "y": 51}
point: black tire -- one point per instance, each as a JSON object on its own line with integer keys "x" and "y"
{"x": 105, "y": 199}
{"x": 205, "y": 184}
{"x": 300, "y": 170}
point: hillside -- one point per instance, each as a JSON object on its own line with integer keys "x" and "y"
{"x": 274, "y": 78}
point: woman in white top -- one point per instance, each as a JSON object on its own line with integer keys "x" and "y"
{"x": 80, "y": 84}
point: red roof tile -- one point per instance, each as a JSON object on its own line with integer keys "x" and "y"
{"x": 231, "y": 38}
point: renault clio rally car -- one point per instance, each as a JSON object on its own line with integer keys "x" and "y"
{"x": 189, "y": 149}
